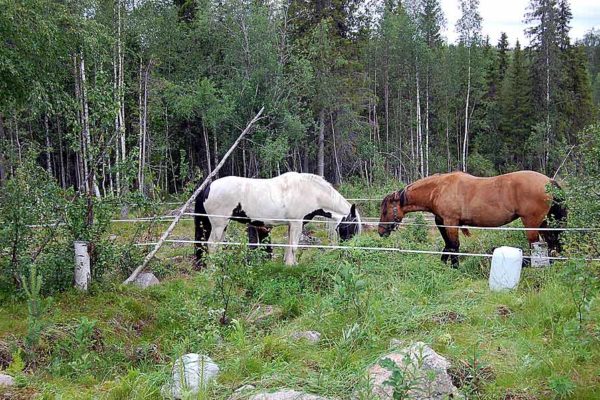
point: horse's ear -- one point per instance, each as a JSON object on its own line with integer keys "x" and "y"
{"x": 353, "y": 210}
{"x": 397, "y": 196}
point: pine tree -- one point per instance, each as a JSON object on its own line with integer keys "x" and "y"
{"x": 545, "y": 46}
{"x": 503, "y": 56}
{"x": 516, "y": 110}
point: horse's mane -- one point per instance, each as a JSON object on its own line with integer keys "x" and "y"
{"x": 325, "y": 185}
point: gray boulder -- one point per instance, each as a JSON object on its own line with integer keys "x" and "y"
{"x": 242, "y": 392}
{"x": 146, "y": 279}
{"x": 6, "y": 380}
{"x": 191, "y": 373}
{"x": 286, "y": 394}
{"x": 309, "y": 336}
{"x": 425, "y": 374}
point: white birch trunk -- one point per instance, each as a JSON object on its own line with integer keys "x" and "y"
{"x": 82, "y": 266}
{"x": 48, "y": 146}
{"x": 321, "y": 144}
{"x": 419, "y": 128}
{"x": 427, "y": 126}
{"x": 466, "y": 136}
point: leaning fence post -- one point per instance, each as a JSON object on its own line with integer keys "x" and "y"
{"x": 181, "y": 211}
{"x": 82, "y": 266}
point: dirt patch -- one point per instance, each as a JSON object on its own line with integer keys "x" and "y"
{"x": 448, "y": 317}
{"x": 516, "y": 395}
{"x": 504, "y": 311}
{"x": 470, "y": 374}
{"x": 17, "y": 393}
{"x": 5, "y": 356}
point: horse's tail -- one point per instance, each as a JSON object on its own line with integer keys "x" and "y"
{"x": 201, "y": 223}
{"x": 557, "y": 216}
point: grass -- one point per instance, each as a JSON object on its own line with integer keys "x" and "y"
{"x": 119, "y": 342}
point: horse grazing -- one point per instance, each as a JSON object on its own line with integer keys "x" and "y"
{"x": 458, "y": 199}
{"x": 263, "y": 203}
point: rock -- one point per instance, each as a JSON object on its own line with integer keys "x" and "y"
{"x": 424, "y": 371}
{"x": 262, "y": 312}
{"x": 286, "y": 395}
{"x": 241, "y": 392}
{"x": 397, "y": 343}
{"x": 309, "y": 336}
{"x": 191, "y": 373}
{"x": 146, "y": 279}
{"x": 6, "y": 380}
{"x": 306, "y": 237}
{"x": 245, "y": 388}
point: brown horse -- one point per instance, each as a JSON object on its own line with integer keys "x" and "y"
{"x": 458, "y": 199}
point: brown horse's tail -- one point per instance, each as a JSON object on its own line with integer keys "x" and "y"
{"x": 557, "y": 216}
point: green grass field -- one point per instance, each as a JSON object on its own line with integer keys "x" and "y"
{"x": 120, "y": 342}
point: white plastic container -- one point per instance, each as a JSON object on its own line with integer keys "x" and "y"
{"x": 506, "y": 268}
{"x": 539, "y": 255}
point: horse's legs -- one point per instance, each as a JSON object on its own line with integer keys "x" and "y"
{"x": 439, "y": 221}
{"x": 532, "y": 222}
{"x": 259, "y": 234}
{"x": 217, "y": 234}
{"x": 294, "y": 233}
{"x": 454, "y": 243}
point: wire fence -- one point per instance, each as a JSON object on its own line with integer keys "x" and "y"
{"x": 368, "y": 221}
{"x": 365, "y": 248}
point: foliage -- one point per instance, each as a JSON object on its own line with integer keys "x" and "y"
{"x": 349, "y": 287}
{"x": 32, "y": 288}
{"x": 562, "y": 386}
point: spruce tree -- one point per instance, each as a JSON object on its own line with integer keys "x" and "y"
{"x": 503, "y": 56}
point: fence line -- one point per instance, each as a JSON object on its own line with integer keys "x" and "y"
{"x": 366, "y": 248}
{"x": 500, "y": 228}
{"x": 368, "y": 221}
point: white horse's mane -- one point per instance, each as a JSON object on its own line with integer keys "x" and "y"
{"x": 326, "y": 185}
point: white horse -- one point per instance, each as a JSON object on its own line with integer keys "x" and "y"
{"x": 264, "y": 203}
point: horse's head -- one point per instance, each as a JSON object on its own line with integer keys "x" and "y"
{"x": 391, "y": 212}
{"x": 349, "y": 225}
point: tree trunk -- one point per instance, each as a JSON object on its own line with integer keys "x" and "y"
{"x": 465, "y": 143}
{"x": 547, "y": 139}
{"x": 2, "y": 160}
{"x": 427, "y": 125}
{"x": 321, "y": 144}
{"x": 48, "y": 146}
{"x": 207, "y": 147}
{"x": 337, "y": 163}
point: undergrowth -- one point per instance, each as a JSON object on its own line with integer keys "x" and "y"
{"x": 120, "y": 342}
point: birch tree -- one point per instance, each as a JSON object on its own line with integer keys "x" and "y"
{"x": 468, "y": 27}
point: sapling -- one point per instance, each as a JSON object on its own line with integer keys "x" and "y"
{"x": 32, "y": 287}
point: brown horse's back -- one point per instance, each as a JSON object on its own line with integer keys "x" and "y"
{"x": 493, "y": 201}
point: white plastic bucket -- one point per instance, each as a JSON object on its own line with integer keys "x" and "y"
{"x": 506, "y": 268}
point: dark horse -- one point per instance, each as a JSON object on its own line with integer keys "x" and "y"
{"x": 458, "y": 199}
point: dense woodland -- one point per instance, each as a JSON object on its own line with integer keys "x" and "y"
{"x": 145, "y": 96}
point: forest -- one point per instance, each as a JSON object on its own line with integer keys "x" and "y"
{"x": 112, "y": 112}
{"x": 146, "y": 96}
